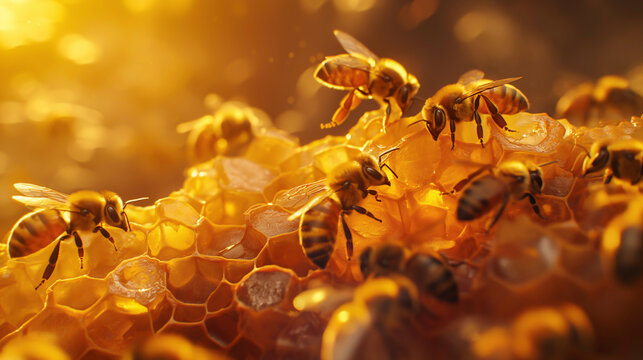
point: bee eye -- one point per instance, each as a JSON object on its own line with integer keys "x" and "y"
{"x": 112, "y": 214}
{"x": 601, "y": 159}
{"x": 371, "y": 172}
{"x": 404, "y": 95}
{"x": 438, "y": 117}
{"x": 536, "y": 179}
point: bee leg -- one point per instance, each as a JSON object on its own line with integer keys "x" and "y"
{"x": 348, "y": 103}
{"x": 363, "y": 211}
{"x": 608, "y": 177}
{"x": 53, "y": 259}
{"x": 505, "y": 200}
{"x": 476, "y": 116}
{"x": 105, "y": 234}
{"x": 79, "y": 245}
{"x": 495, "y": 115}
{"x": 534, "y": 205}
{"x": 348, "y": 235}
{"x": 388, "y": 111}
{"x": 461, "y": 184}
{"x": 374, "y": 193}
{"x": 452, "y": 128}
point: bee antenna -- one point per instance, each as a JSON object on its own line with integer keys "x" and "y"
{"x": 134, "y": 200}
{"x": 582, "y": 147}
{"x": 548, "y": 163}
{"x": 419, "y": 121}
{"x": 382, "y": 165}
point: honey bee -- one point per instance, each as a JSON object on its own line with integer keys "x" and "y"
{"x": 620, "y": 158}
{"x": 623, "y": 240}
{"x": 365, "y": 76}
{"x": 379, "y": 309}
{"x": 552, "y": 333}
{"x": 609, "y": 99}
{"x": 461, "y": 102}
{"x": 227, "y": 132}
{"x": 332, "y": 199}
{"x": 431, "y": 275}
{"x": 511, "y": 179}
{"x": 60, "y": 216}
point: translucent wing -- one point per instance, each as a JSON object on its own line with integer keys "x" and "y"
{"x": 471, "y": 76}
{"x": 487, "y": 86}
{"x": 308, "y": 194}
{"x": 354, "y": 47}
{"x": 40, "y": 203}
{"x": 36, "y": 191}
{"x": 350, "y": 61}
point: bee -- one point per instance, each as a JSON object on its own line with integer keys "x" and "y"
{"x": 332, "y": 199}
{"x": 510, "y": 179}
{"x": 623, "y": 240}
{"x": 431, "y": 275}
{"x": 620, "y": 158}
{"x": 609, "y": 99}
{"x": 461, "y": 102}
{"x": 379, "y": 309}
{"x": 59, "y": 217}
{"x": 551, "y": 333}
{"x": 227, "y": 132}
{"x": 365, "y": 76}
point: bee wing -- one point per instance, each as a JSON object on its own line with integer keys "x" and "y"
{"x": 484, "y": 87}
{"x": 354, "y": 47}
{"x": 323, "y": 299}
{"x": 318, "y": 190}
{"x": 349, "y": 61}
{"x": 40, "y": 203}
{"x": 471, "y": 76}
{"x": 188, "y": 126}
{"x": 37, "y": 191}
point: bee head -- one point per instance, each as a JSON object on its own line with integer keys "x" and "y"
{"x": 372, "y": 173}
{"x": 435, "y": 118}
{"x": 599, "y": 157}
{"x": 406, "y": 93}
{"x": 113, "y": 211}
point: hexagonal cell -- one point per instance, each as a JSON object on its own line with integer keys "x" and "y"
{"x": 66, "y": 328}
{"x": 39, "y": 346}
{"x": 116, "y": 323}
{"x": 161, "y": 311}
{"x": 266, "y": 287}
{"x": 142, "y": 279}
{"x": 248, "y": 248}
{"x": 100, "y": 256}
{"x": 537, "y": 133}
{"x": 238, "y": 174}
{"x": 177, "y": 211}
{"x": 285, "y": 251}
{"x": 271, "y": 147}
{"x": 202, "y": 182}
{"x": 523, "y": 252}
{"x": 222, "y": 326}
{"x": 193, "y": 279}
{"x": 235, "y": 270}
{"x": 271, "y": 220}
{"x": 168, "y": 241}
{"x": 221, "y": 297}
{"x": 64, "y": 293}
{"x": 212, "y": 239}
{"x": 188, "y": 313}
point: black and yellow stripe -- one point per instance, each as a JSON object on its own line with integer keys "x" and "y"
{"x": 508, "y": 99}
{"x": 318, "y": 231}
{"x": 480, "y": 197}
{"x": 432, "y": 277}
{"x": 35, "y": 231}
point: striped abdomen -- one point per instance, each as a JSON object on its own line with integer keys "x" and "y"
{"x": 337, "y": 75}
{"x": 35, "y": 231}
{"x": 507, "y": 98}
{"x": 480, "y": 197}
{"x": 318, "y": 231}
{"x": 628, "y": 260}
{"x": 432, "y": 277}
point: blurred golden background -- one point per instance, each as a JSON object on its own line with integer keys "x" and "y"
{"x": 92, "y": 92}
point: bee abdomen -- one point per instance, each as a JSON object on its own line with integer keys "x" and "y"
{"x": 628, "y": 262}
{"x": 433, "y": 277}
{"x": 318, "y": 231}
{"x": 508, "y": 99}
{"x": 35, "y": 231}
{"x": 479, "y": 198}
{"x": 342, "y": 76}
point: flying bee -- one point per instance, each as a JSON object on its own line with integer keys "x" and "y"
{"x": 331, "y": 199}
{"x": 227, "y": 132}
{"x": 510, "y": 179}
{"x": 461, "y": 102}
{"x": 430, "y": 274}
{"x": 609, "y": 99}
{"x": 620, "y": 158}
{"x": 85, "y": 210}
{"x": 365, "y": 76}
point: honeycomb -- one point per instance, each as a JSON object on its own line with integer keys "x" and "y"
{"x": 213, "y": 269}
